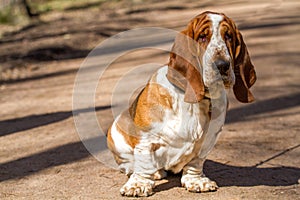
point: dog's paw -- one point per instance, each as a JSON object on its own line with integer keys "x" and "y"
{"x": 160, "y": 174}
{"x": 137, "y": 186}
{"x": 198, "y": 184}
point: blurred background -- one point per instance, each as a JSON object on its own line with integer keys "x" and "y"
{"x": 43, "y": 44}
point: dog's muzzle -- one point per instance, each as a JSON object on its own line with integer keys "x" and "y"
{"x": 223, "y": 66}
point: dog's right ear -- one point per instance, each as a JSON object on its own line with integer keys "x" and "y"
{"x": 183, "y": 71}
{"x": 186, "y": 77}
{"x": 188, "y": 36}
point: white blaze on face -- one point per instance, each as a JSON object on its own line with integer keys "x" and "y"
{"x": 217, "y": 43}
{"x": 211, "y": 75}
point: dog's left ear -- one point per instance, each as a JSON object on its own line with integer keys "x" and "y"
{"x": 245, "y": 75}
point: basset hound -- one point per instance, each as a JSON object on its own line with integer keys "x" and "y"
{"x": 175, "y": 120}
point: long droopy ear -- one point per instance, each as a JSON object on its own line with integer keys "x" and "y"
{"x": 183, "y": 71}
{"x": 245, "y": 75}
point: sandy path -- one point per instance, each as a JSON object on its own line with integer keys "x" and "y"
{"x": 42, "y": 157}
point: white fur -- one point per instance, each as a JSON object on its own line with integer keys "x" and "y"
{"x": 211, "y": 76}
{"x": 185, "y": 135}
{"x": 144, "y": 188}
{"x": 125, "y": 150}
{"x": 119, "y": 141}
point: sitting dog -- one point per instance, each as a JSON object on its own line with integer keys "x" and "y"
{"x": 175, "y": 120}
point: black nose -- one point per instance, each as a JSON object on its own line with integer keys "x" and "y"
{"x": 222, "y": 65}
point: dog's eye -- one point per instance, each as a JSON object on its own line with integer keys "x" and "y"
{"x": 203, "y": 38}
{"x": 228, "y": 37}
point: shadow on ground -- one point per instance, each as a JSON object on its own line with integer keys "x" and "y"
{"x": 225, "y": 175}
{"x": 33, "y": 121}
{"x": 29, "y": 165}
{"x": 265, "y": 106}
{"x": 228, "y": 175}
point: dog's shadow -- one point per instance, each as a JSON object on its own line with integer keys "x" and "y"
{"x": 228, "y": 175}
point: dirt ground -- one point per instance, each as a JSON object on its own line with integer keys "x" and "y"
{"x": 41, "y": 155}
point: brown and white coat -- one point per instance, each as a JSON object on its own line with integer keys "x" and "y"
{"x": 175, "y": 120}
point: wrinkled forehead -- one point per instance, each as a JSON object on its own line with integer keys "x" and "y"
{"x": 210, "y": 20}
{"x": 215, "y": 20}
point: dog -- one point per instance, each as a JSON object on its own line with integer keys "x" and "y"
{"x": 175, "y": 120}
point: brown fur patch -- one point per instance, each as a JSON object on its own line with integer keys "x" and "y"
{"x": 150, "y": 106}
{"x": 126, "y": 127}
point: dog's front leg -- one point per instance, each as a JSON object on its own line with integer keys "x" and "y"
{"x": 193, "y": 178}
{"x": 141, "y": 182}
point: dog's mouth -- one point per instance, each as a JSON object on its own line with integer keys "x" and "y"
{"x": 227, "y": 81}
{"x": 227, "y": 77}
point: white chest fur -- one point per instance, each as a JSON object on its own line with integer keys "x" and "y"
{"x": 183, "y": 132}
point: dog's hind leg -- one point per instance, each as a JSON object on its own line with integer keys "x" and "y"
{"x": 122, "y": 151}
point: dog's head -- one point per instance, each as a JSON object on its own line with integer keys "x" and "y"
{"x": 210, "y": 52}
